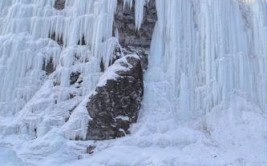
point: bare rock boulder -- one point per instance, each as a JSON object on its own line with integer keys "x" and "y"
{"x": 117, "y": 99}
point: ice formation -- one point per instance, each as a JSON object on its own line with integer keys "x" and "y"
{"x": 209, "y": 51}
{"x": 203, "y": 53}
{"x": 29, "y": 33}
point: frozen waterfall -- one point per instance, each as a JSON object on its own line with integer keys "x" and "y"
{"x": 205, "y": 55}
{"x": 209, "y": 51}
{"x": 26, "y": 29}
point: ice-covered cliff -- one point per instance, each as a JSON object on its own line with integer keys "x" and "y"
{"x": 210, "y": 51}
{"x": 205, "y": 84}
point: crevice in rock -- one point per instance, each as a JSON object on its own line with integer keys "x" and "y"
{"x": 82, "y": 41}
{"x": 102, "y": 66}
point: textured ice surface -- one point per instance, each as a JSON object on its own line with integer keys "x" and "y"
{"x": 210, "y": 50}
{"x": 9, "y": 158}
{"x": 205, "y": 88}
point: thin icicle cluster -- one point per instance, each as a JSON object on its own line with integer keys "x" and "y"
{"x": 139, "y": 10}
{"x": 209, "y": 51}
{"x": 33, "y": 34}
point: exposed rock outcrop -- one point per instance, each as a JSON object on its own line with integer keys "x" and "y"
{"x": 141, "y": 52}
{"x": 125, "y": 24}
{"x": 131, "y": 39}
{"x": 60, "y": 4}
{"x": 115, "y": 104}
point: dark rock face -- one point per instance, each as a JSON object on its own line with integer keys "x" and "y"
{"x": 74, "y": 76}
{"x": 125, "y": 23}
{"x": 60, "y": 4}
{"x": 115, "y": 105}
{"x": 141, "y": 52}
{"x": 48, "y": 66}
{"x": 131, "y": 39}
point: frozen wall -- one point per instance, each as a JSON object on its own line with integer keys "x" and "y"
{"x": 50, "y": 59}
{"x": 210, "y": 50}
{"x": 206, "y": 51}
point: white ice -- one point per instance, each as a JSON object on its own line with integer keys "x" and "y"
{"x": 205, "y": 88}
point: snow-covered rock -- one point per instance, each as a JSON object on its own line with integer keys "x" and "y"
{"x": 117, "y": 99}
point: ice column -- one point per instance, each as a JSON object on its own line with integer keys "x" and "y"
{"x": 209, "y": 51}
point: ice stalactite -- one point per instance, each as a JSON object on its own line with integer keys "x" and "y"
{"x": 210, "y": 50}
{"x": 42, "y": 48}
{"x": 139, "y": 10}
{"x": 203, "y": 52}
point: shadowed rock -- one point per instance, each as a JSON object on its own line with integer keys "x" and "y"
{"x": 58, "y": 40}
{"x": 134, "y": 40}
{"x": 60, "y": 4}
{"x": 124, "y": 22}
{"x": 48, "y": 66}
{"x": 114, "y": 106}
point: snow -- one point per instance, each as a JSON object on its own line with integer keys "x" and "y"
{"x": 110, "y": 73}
{"x": 205, "y": 88}
{"x": 223, "y": 137}
{"x": 25, "y": 29}
{"x": 9, "y": 158}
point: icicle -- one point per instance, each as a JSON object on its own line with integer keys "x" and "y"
{"x": 33, "y": 34}
{"x": 139, "y": 13}
{"x": 128, "y": 2}
{"x": 219, "y": 55}
{"x": 139, "y": 10}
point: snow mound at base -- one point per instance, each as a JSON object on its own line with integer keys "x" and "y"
{"x": 235, "y": 136}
